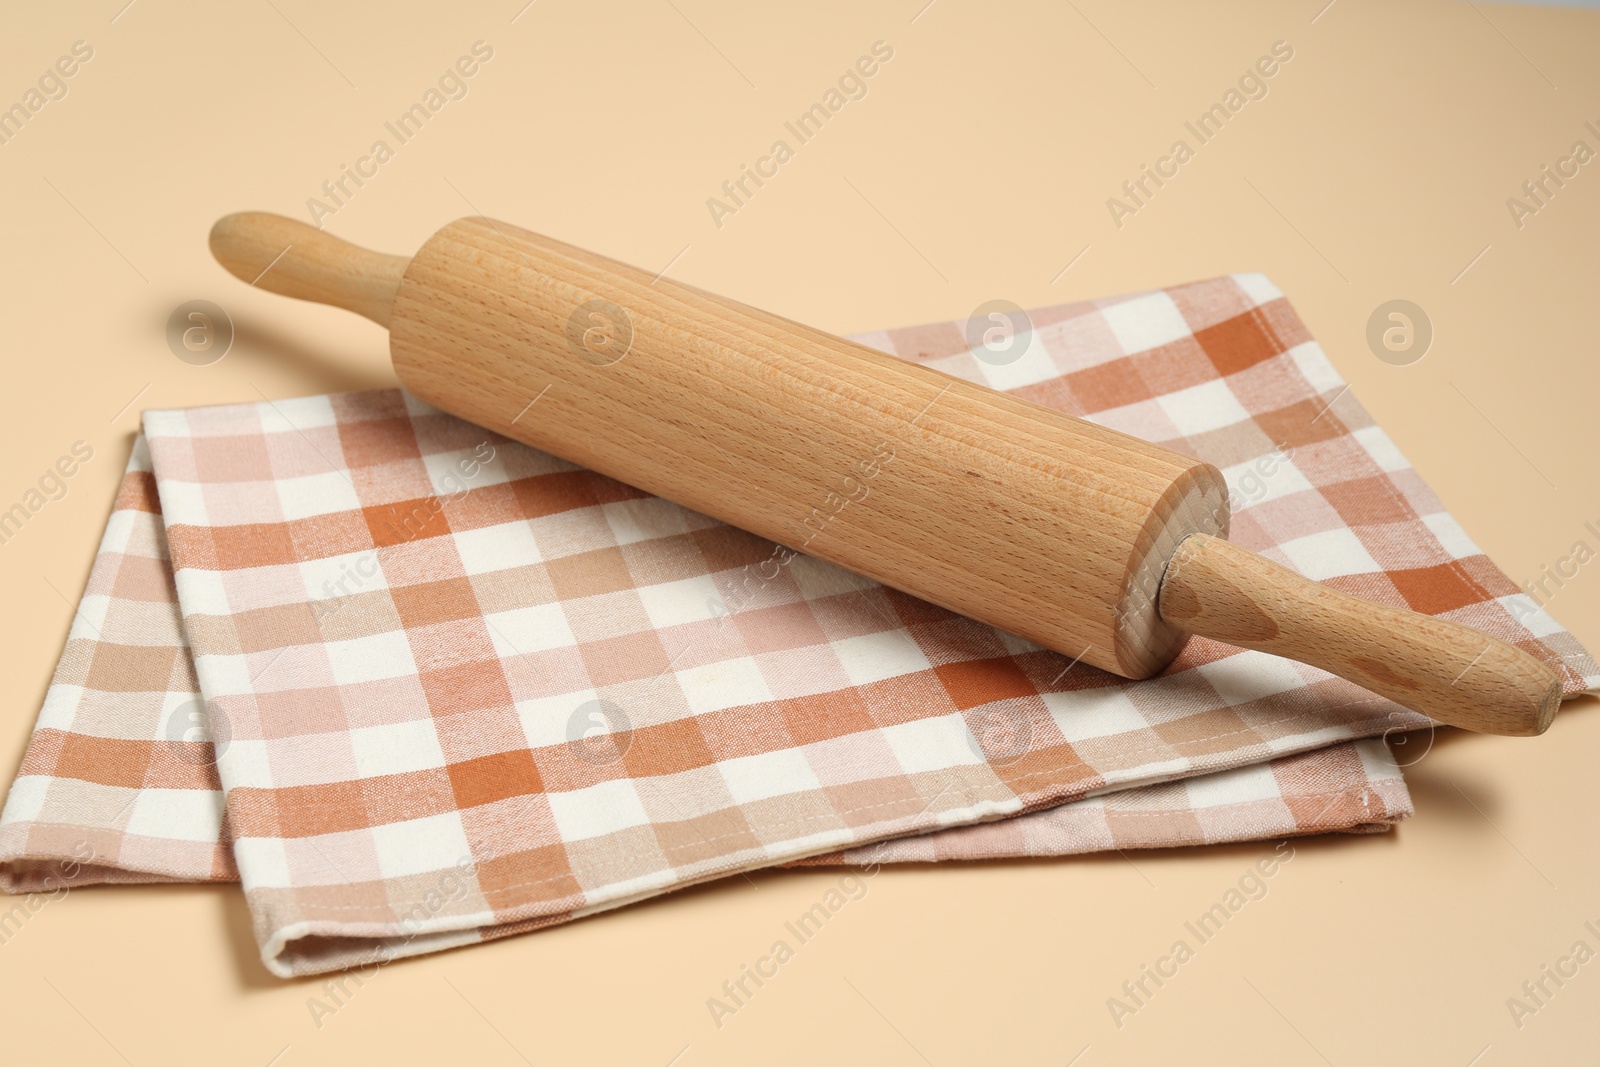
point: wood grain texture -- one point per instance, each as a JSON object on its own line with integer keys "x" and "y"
{"x": 1044, "y": 525}
{"x": 1445, "y": 670}
{"x": 290, "y": 258}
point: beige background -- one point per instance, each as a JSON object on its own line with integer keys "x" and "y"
{"x": 1378, "y": 167}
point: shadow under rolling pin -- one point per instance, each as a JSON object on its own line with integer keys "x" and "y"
{"x": 1082, "y": 539}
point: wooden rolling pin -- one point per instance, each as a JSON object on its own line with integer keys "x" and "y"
{"x": 1087, "y": 541}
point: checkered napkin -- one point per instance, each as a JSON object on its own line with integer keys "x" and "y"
{"x": 455, "y": 688}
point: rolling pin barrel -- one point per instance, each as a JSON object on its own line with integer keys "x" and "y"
{"x": 1044, "y": 525}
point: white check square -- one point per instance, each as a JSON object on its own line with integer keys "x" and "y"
{"x": 497, "y": 548}
{"x": 933, "y": 744}
{"x": 1267, "y": 477}
{"x": 1330, "y": 554}
{"x": 677, "y": 603}
{"x": 202, "y": 592}
{"x": 331, "y": 578}
{"x": 597, "y": 810}
{"x": 120, "y": 529}
{"x": 1089, "y": 713}
{"x": 1258, "y": 287}
{"x": 316, "y": 494}
{"x": 396, "y": 748}
{"x": 184, "y": 502}
{"x": 1204, "y": 407}
{"x": 549, "y": 720}
{"x": 874, "y": 657}
{"x": 61, "y": 702}
{"x": 177, "y": 814}
{"x": 1233, "y": 787}
{"x": 1381, "y": 447}
{"x": 263, "y": 862}
{"x": 371, "y": 658}
{"x": 1319, "y": 372}
{"x": 645, "y": 520}
{"x": 1035, "y": 365}
{"x": 725, "y": 684}
{"x": 458, "y": 472}
{"x": 1451, "y": 535}
{"x": 1146, "y": 322}
{"x": 245, "y": 764}
{"x": 1248, "y": 676}
{"x": 432, "y": 843}
{"x": 530, "y": 629}
{"x": 772, "y": 774}
{"x": 26, "y": 799}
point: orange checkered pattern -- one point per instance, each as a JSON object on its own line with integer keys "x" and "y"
{"x": 416, "y": 685}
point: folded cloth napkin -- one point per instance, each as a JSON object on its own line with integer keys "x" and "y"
{"x": 418, "y": 686}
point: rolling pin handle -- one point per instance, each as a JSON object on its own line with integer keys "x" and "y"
{"x": 1444, "y": 670}
{"x": 291, "y": 258}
